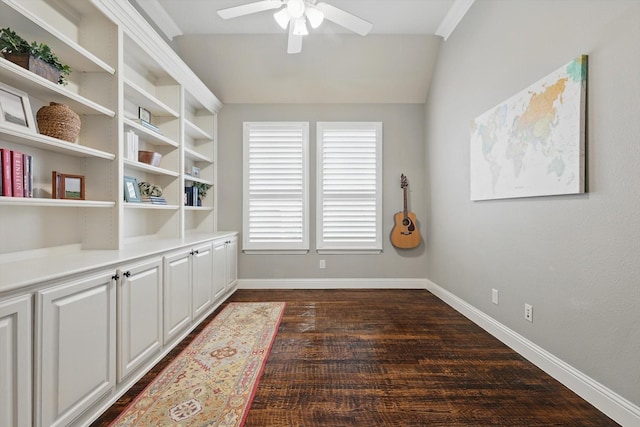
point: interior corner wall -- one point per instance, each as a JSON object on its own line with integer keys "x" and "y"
{"x": 403, "y": 152}
{"x": 576, "y": 259}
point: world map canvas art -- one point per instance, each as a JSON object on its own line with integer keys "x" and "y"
{"x": 533, "y": 143}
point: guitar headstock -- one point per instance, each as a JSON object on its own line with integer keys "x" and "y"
{"x": 403, "y": 181}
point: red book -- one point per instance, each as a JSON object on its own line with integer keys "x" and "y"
{"x": 17, "y": 174}
{"x": 6, "y": 172}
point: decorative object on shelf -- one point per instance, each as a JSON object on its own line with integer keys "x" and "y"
{"x": 144, "y": 115}
{"x": 66, "y": 186}
{"x": 58, "y": 121}
{"x": 147, "y": 189}
{"x": 202, "y": 192}
{"x": 35, "y": 57}
{"x": 202, "y": 189}
{"x": 149, "y": 157}
{"x": 195, "y": 171}
{"x": 131, "y": 190}
{"x": 15, "y": 109}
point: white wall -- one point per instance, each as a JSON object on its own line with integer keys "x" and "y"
{"x": 576, "y": 259}
{"x": 403, "y": 151}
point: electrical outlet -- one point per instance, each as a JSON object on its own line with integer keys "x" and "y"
{"x": 528, "y": 312}
{"x": 494, "y": 296}
{"x": 323, "y": 264}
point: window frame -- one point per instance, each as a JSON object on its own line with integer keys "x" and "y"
{"x": 323, "y": 247}
{"x": 283, "y": 248}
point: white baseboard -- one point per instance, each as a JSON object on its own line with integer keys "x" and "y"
{"x": 607, "y": 401}
{"x": 332, "y": 284}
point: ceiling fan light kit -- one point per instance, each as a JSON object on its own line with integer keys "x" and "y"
{"x": 295, "y": 15}
{"x": 295, "y": 8}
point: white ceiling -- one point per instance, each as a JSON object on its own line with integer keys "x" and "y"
{"x": 244, "y": 60}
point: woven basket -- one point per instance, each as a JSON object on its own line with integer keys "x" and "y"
{"x": 58, "y": 121}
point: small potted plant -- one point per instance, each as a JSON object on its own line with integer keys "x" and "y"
{"x": 35, "y": 57}
{"x": 202, "y": 191}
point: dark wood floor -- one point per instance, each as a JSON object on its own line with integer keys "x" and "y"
{"x": 392, "y": 358}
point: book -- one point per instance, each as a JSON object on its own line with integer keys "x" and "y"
{"x": 131, "y": 145}
{"x": 150, "y": 126}
{"x": 27, "y": 163}
{"x": 191, "y": 196}
{"x": 156, "y": 200}
{"x": 17, "y": 173}
{"x": 5, "y": 159}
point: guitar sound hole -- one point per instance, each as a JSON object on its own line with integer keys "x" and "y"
{"x": 405, "y": 222}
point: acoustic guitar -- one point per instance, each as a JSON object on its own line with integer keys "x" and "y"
{"x": 405, "y": 234}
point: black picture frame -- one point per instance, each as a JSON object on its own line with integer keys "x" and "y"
{"x": 144, "y": 115}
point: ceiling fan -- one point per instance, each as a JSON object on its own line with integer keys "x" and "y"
{"x": 296, "y": 13}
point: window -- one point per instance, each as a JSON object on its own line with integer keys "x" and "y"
{"x": 276, "y": 206}
{"x": 349, "y": 190}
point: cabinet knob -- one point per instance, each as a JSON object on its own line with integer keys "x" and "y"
{"x": 126, "y": 274}
{"x": 115, "y": 276}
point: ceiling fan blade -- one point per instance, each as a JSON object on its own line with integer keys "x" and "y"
{"x": 247, "y": 9}
{"x": 295, "y": 41}
{"x": 345, "y": 19}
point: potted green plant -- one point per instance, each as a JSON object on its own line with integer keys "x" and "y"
{"x": 202, "y": 190}
{"x": 35, "y": 57}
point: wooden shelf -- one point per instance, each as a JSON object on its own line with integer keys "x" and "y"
{"x": 70, "y": 52}
{"x": 149, "y": 135}
{"x": 196, "y": 132}
{"x": 37, "y": 86}
{"x": 28, "y": 201}
{"x": 138, "y": 205}
{"x": 194, "y": 179}
{"x": 48, "y": 143}
{"x": 143, "y": 98}
{"x": 194, "y": 155}
{"x": 154, "y": 170}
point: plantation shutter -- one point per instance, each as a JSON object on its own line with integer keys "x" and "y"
{"x": 349, "y": 193}
{"x": 275, "y": 186}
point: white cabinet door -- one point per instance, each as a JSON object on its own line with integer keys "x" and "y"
{"x": 139, "y": 314}
{"x": 232, "y": 263}
{"x": 219, "y": 268}
{"x": 15, "y": 362}
{"x": 202, "y": 271}
{"x": 177, "y": 294}
{"x": 75, "y": 347}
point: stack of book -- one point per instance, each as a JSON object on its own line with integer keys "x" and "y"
{"x": 155, "y": 200}
{"x": 190, "y": 196}
{"x": 151, "y": 126}
{"x": 16, "y": 172}
{"x": 131, "y": 145}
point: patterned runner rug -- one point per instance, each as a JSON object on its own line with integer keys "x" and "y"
{"x": 213, "y": 380}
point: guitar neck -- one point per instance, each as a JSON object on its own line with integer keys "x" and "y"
{"x": 405, "y": 211}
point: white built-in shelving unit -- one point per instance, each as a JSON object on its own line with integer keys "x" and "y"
{"x": 92, "y": 283}
{"x": 118, "y": 65}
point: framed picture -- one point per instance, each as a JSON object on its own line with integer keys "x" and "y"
{"x": 131, "y": 190}
{"x": 144, "y": 115}
{"x": 15, "y": 109}
{"x": 65, "y": 186}
{"x": 195, "y": 171}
